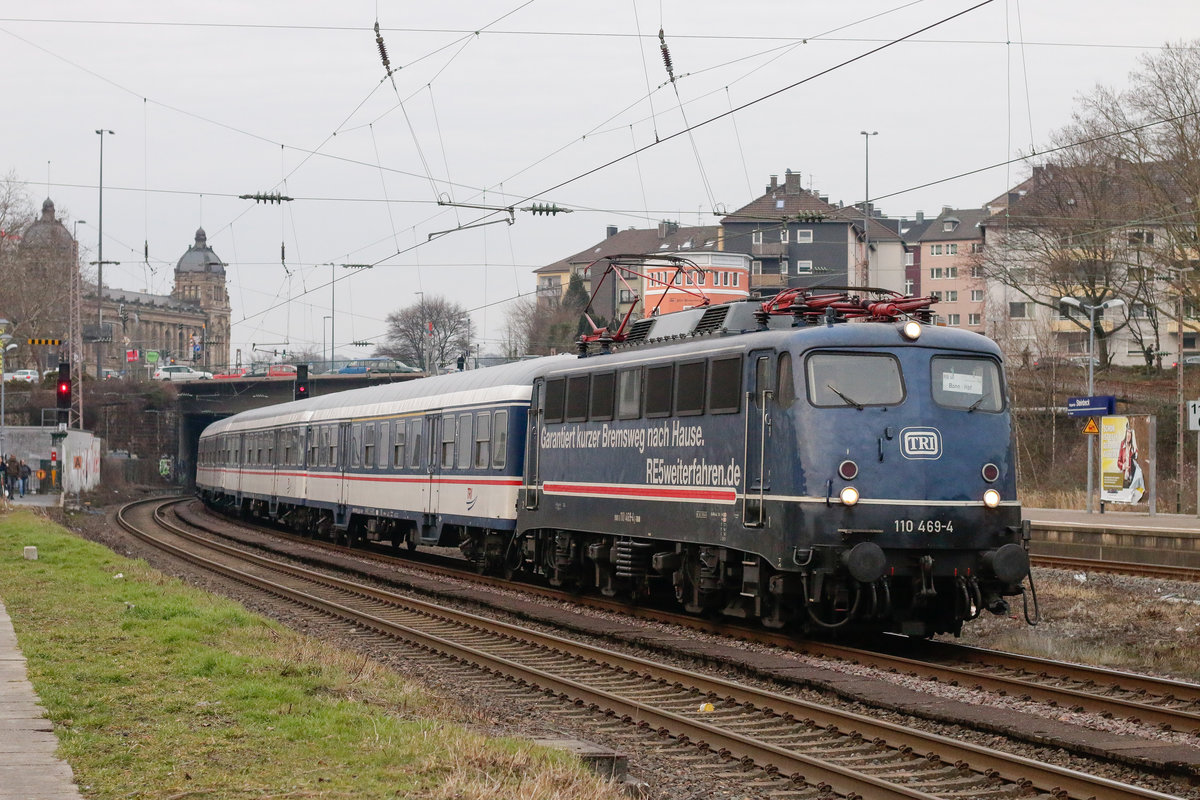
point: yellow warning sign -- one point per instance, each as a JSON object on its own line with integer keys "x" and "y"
{"x": 1091, "y": 426}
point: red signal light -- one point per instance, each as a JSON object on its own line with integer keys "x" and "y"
{"x": 64, "y": 388}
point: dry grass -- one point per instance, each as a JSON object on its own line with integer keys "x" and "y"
{"x": 1107, "y": 620}
{"x": 158, "y": 690}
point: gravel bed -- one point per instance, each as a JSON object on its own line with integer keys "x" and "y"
{"x": 664, "y": 774}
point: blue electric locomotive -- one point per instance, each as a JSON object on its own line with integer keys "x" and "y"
{"x": 770, "y": 460}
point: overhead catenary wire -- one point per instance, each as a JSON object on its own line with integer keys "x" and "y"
{"x": 396, "y": 247}
{"x": 468, "y": 32}
{"x": 712, "y": 119}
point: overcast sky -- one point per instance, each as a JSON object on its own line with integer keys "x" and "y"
{"x": 499, "y": 102}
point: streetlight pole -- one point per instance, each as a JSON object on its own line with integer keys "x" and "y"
{"x": 866, "y": 270}
{"x": 328, "y": 368}
{"x": 1114, "y": 302}
{"x": 100, "y": 267}
{"x": 5, "y": 338}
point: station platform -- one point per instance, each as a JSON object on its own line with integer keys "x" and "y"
{"x": 29, "y": 768}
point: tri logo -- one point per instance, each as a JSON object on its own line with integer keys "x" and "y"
{"x": 921, "y": 443}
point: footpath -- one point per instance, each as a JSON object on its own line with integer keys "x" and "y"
{"x": 29, "y": 768}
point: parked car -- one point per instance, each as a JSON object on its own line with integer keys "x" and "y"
{"x": 111, "y": 374}
{"x": 236, "y": 372}
{"x": 375, "y": 366}
{"x": 25, "y": 375}
{"x": 180, "y": 372}
{"x": 1188, "y": 361}
{"x": 272, "y": 371}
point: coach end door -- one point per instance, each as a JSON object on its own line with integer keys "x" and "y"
{"x": 533, "y": 453}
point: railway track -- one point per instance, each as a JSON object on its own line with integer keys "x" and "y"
{"x": 1160, "y": 702}
{"x": 1163, "y": 571}
{"x": 818, "y": 748}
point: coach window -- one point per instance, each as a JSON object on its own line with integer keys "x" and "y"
{"x": 398, "y": 445}
{"x": 629, "y": 393}
{"x": 840, "y": 379}
{"x": 368, "y": 441}
{"x": 355, "y": 444}
{"x": 463, "y": 437}
{"x": 556, "y": 400}
{"x": 577, "y": 398}
{"x": 785, "y": 381}
{"x": 331, "y": 442}
{"x": 500, "y": 445}
{"x": 725, "y": 385}
{"x": 448, "y": 441}
{"x": 603, "y": 386}
{"x": 285, "y": 444}
{"x": 689, "y": 389}
{"x": 972, "y": 384}
{"x": 658, "y": 390}
{"x": 483, "y": 439}
{"x": 414, "y": 441}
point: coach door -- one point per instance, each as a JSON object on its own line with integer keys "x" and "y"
{"x": 759, "y": 392}
{"x": 436, "y": 429}
{"x": 533, "y": 453}
{"x": 343, "y": 465}
{"x": 239, "y": 460}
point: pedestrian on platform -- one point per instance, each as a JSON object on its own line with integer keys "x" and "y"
{"x": 23, "y": 475}
{"x": 13, "y": 471}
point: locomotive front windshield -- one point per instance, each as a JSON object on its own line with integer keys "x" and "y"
{"x": 968, "y": 383}
{"x": 854, "y": 379}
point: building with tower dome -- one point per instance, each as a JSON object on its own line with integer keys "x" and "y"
{"x": 188, "y": 326}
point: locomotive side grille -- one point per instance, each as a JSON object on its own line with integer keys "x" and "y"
{"x": 639, "y": 330}
{"x": 712, "y": 320}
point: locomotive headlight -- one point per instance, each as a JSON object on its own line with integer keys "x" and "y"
{"x": 911, "y": 330}
{"x": 849, "y": 496}
{"x": 991, "y": 498}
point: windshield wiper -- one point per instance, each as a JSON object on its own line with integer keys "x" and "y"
{"x": 844, "y": 397}
{"x": 975, "y": 405}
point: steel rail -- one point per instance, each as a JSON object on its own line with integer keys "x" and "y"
{"x": 1164, "y": 571}
{"x": 1055, "y": 780}
{"x": 1143, "y": 710}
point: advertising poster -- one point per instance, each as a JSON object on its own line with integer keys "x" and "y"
{"x": 1122, "y": 462}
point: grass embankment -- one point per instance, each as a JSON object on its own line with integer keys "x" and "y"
{"x": 157, "y": 690}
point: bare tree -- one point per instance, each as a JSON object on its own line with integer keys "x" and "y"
{"x": 304, "y": 355}
{"x": 520, "y": 322}
{"x": 427, "y": 334}
{"x": 1154, "y": 126}
{"x": 1056, "y": 238}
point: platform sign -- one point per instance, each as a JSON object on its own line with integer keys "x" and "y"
{"x": 1193, "y": 411}
{"x": 1099, "y": 406}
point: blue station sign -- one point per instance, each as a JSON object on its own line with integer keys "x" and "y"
{"x": 1103, "y": 405}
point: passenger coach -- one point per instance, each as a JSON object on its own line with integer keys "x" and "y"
{"x": 417, "y": 462}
